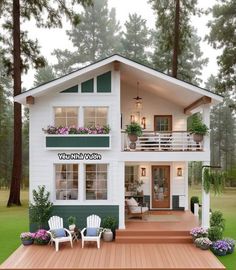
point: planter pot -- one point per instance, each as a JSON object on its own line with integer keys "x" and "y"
{"x": 198, "y": 138}
{"x": 41, "y": 242}
{"x": 133, "y": 138}
{"x": 203, "y": 247}
{"x": 219, "y": 253}
{"x": 107, "y": 236}
{"x": 27, "y": 242}
{"x": 72, "y": 227}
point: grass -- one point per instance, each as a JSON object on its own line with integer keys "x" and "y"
{"x": 226, "y": 203}
{"x": 14, "y": 220}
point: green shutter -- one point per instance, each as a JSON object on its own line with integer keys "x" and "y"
{"x": 73, "y": 89}
{"x": 87, "y": 87}
{"x": 104, "y": 83}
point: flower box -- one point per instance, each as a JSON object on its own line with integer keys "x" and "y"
{"x": 79, "y": 141}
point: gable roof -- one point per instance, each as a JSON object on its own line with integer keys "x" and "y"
{"x": 41, "y": 89}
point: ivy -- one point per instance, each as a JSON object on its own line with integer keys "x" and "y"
{"x": 213, "y": 181}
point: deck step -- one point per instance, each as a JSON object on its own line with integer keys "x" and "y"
{"x": 151, "y": 233}
{"x": 153, "y": 239}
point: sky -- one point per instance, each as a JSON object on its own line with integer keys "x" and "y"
{"x": 50, "y": 39}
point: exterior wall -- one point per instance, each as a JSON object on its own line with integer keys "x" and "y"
{"x": 152, "y": 105}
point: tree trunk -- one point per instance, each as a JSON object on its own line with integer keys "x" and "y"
{"x": 14, "y": 197}
{"x": 176, "y": 41}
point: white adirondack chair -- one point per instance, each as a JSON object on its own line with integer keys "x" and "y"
{"x": 93, "y": 221}
{"x": 56, "y": 222}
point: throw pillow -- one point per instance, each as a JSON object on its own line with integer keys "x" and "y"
{"x": 92, "y": 231}
{"x": 58, "y": 233}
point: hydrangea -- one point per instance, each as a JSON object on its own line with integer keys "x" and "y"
{"x": 27, "y": 236}
{"x": 41, "y": 236}
{"x": 199, "y": 232}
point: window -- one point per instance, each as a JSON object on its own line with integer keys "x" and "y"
{"x": 131, "y": 175}
{"x": 96, "y": 181}
{"x": 95, "y": 116}
{"x": 66, "y": 181}
{"x": 163, "y": 123}
{"x": 66, "y": 116}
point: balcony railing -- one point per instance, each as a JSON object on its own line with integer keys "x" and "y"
{"x": 163, "y": 141}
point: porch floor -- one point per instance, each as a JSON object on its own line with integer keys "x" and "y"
{"x": 112, "y": 256}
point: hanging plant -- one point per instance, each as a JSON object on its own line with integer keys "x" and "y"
{"x": 213, "y": 181}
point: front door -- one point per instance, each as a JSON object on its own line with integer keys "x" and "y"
{"x": 160, "y": 186}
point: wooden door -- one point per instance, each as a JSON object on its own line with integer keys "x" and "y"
{"x": 160, "y": 186}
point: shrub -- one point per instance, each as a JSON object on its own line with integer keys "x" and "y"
{"x": 197, "y": 126}
{"x": 109, "y": 222}
{"x": 71, "y": 220}
{"x": 193, "y": 200}
{"x": 41, "y": 208}
{"x": 215, "y": 233}
{"x": 217, "y": 220}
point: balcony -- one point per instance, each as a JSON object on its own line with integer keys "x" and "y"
{"x": 177, "y": 141}
{"x": 78, "y": 141}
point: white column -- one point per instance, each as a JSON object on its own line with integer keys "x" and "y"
{"x": 206, "y": 196}
{"x": 186, "y": 185}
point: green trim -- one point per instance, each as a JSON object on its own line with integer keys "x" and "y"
{"x": 87, "y": 86}
{"x": 78, "y": 141}
{"x": 73, "y": 89}
{"x": 104, "y": 83}
{"x": 81, "y": 212}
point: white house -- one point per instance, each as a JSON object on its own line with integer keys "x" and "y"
{"x": 93, "y": 173}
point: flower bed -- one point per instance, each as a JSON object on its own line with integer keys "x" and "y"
{"x": 74, "y": 130}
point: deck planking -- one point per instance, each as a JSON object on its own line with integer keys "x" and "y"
{"x": 112, "y": 256}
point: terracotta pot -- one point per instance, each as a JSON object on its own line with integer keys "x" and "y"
{"x": 198, "y": 138}
{"x": 133, "y": 137}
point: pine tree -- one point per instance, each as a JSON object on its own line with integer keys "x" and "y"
{"x": 136, "y": 39}
{"x": 44, "y": 75}
{"x": 96, "y": 37}
{"x": 178, "y": 53}
{"x": 17, "y": 54}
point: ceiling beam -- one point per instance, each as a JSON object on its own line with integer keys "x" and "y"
{"x": 30, "y": 100}
{"x": 197, "y": 103}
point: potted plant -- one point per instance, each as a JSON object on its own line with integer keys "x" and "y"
{"x": 27, "y": 238}
{"x": 198, "y": 232}
{"x": 198, "y": 129}
{"x": 220, "y": 247}
{"x": 203, "y": 243}
{"x": 133, "y": 130}
{"x": 231, "y": 243}
{"x": 71, "y": 221}
{"x": 41, "y": 237}
{"x": 109, "y": 224}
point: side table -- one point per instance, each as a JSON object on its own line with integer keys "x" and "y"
{"x": 75, "y": 235}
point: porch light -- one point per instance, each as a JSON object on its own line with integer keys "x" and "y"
{"x": 143, "y": 122}
{"x": 132, "y": 118}
{"x": 179, "y": 171}
{"x": 143, "y": 171}
{"x": 138, "y": 99}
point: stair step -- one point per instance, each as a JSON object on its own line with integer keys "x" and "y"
{"x": 151, "y": 233}
{"x": 153, "y": 239}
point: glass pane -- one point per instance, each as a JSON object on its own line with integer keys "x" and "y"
{"x": 102, "y": 112}
{"x": 90, "y": 195}
{"x": 89, "y": 112}
{"x": 60, "y": 111}
{"x": 101, "y": 176}
{"x": 72, "y": 122}
{"x": 89, "y": 122}
{"x": 102, "y": 167}
{"x": 61, "y": 194}
{"x": 101, "y": 122}
{"x": 60, "y": 122}
{"x": 102, "y": 195}
{"x": 72, "y": 112}
{"x": 91, "y": 167}
{"x": 72, "y": 194}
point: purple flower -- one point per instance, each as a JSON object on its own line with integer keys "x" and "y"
{"x": 220, "y": 245}
{"x": 199, "y": 232}
{"x": 27, "y": 235}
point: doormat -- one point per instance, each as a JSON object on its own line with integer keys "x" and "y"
{"x": 156, "y": 218}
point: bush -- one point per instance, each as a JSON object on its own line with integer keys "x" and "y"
{"x": 109, "y": 223}
{"x": 193, "y": 200}
{"x": 215, "y": 233}
{"x": 217, "y": 220}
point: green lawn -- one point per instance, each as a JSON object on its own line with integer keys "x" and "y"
{"x": 226, "y": 203}
{"x": 15, "y": 220}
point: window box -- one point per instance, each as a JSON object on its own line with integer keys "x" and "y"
{"x": 78, "y": 141}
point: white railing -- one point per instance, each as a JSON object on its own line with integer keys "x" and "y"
{"x": 163, "y": 141}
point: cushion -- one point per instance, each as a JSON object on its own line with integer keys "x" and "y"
{"x": 132, "y": 202}
{"x": 91, "y": 231}
{"x": 58, "y": 233}
{"x": 139, "y": 210}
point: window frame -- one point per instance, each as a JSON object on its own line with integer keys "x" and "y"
{"x": 77, "y": 117}
{"x": 96, "y": 107}
{"x": 169, "y": 124}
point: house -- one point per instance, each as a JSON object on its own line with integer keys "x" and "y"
{"x": 93, "y": 173}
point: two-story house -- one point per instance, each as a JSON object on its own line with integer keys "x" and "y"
{"x": 93, "y": 173}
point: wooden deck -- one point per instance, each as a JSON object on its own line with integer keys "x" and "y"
{"x": 112, "y": 256}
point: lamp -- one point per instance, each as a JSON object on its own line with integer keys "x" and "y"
{"x": 143, "y": 122}
{"x": 143, "y": 171}
{"x": 138, "y": 99}
{"x": 179, "y": 171}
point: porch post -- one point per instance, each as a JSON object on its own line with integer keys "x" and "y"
{"x": 206, "y": 196}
